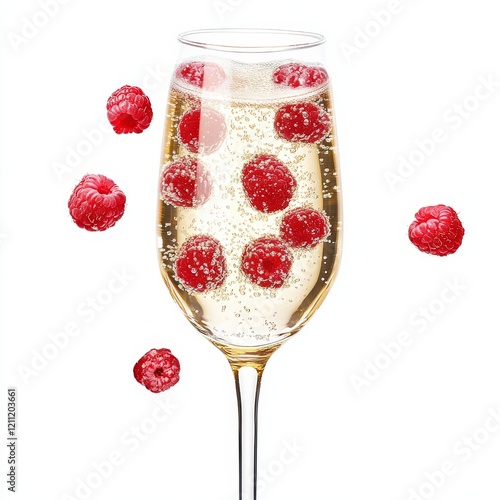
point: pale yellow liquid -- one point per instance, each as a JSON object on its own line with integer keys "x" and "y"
{"x": 239, "y": 314}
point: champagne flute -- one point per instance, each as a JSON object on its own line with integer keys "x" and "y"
{"x": 249, "y": 206}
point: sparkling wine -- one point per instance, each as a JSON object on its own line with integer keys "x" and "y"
{"x": 238, "y": 312}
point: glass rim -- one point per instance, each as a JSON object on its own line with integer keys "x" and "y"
{"x": 296, "y": 39}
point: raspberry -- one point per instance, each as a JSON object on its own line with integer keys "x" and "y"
{"x": 202, "y": 130}
{"x": 158, "y": 370}
{"x": 437, "y": 230}
{"x": 129, "y": 110}
{"x": 299, "y": 75}
{"x": 201, "y": 265}
{"x": 186, "y": 183}
{"x": 267, "y": 262}
{"x": 207, "y": 75}
{"x": 268, "y": 183}
{"x": 302, "y": 122}
{"x": 96, "y": 203}
{"x": 304, "y": 227}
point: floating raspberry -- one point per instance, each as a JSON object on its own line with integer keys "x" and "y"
{"x": 186, "y": 183}
{"x": 201, "y": 264}
{"x": 96, "y": 203}
{"x": 129, "y": 110}
{"x": 267, "y": 262}
{"x": 304, "y": 227}
{"x": 207, "y": 75}
{"x": 158, "y": 370}
{"x": 268, "y": 183}
{"x": 436, "y": 230}
{"x": 202, "y": 130}
{"x": 299, "y": 75}
{"x": 302, "y": 122}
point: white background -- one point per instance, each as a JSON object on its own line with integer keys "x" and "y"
{"x": 378, "y": 442}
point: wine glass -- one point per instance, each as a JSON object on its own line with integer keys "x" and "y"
{"x": 249, "y": 206}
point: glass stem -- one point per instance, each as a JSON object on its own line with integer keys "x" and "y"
{"x": 247, "y": 379}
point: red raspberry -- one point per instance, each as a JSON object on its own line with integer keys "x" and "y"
{"x": 158, "y": 370}
{"x": 302, "y": 122}
{"x": 186, "y": 183}
{"x": 437, "y": 230}
{"x": 207, "y": 75}
{"x": 268, "y": 183}
{"x": 267, "y": 262}
{"x": 96, "y": 203}
{"x": 202, "y": 130}
{"x": 201, "y": 265}
{"x": 129, "y": 110}
{"x": 299, "y": 75}
{"x": 304, "y": 227}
